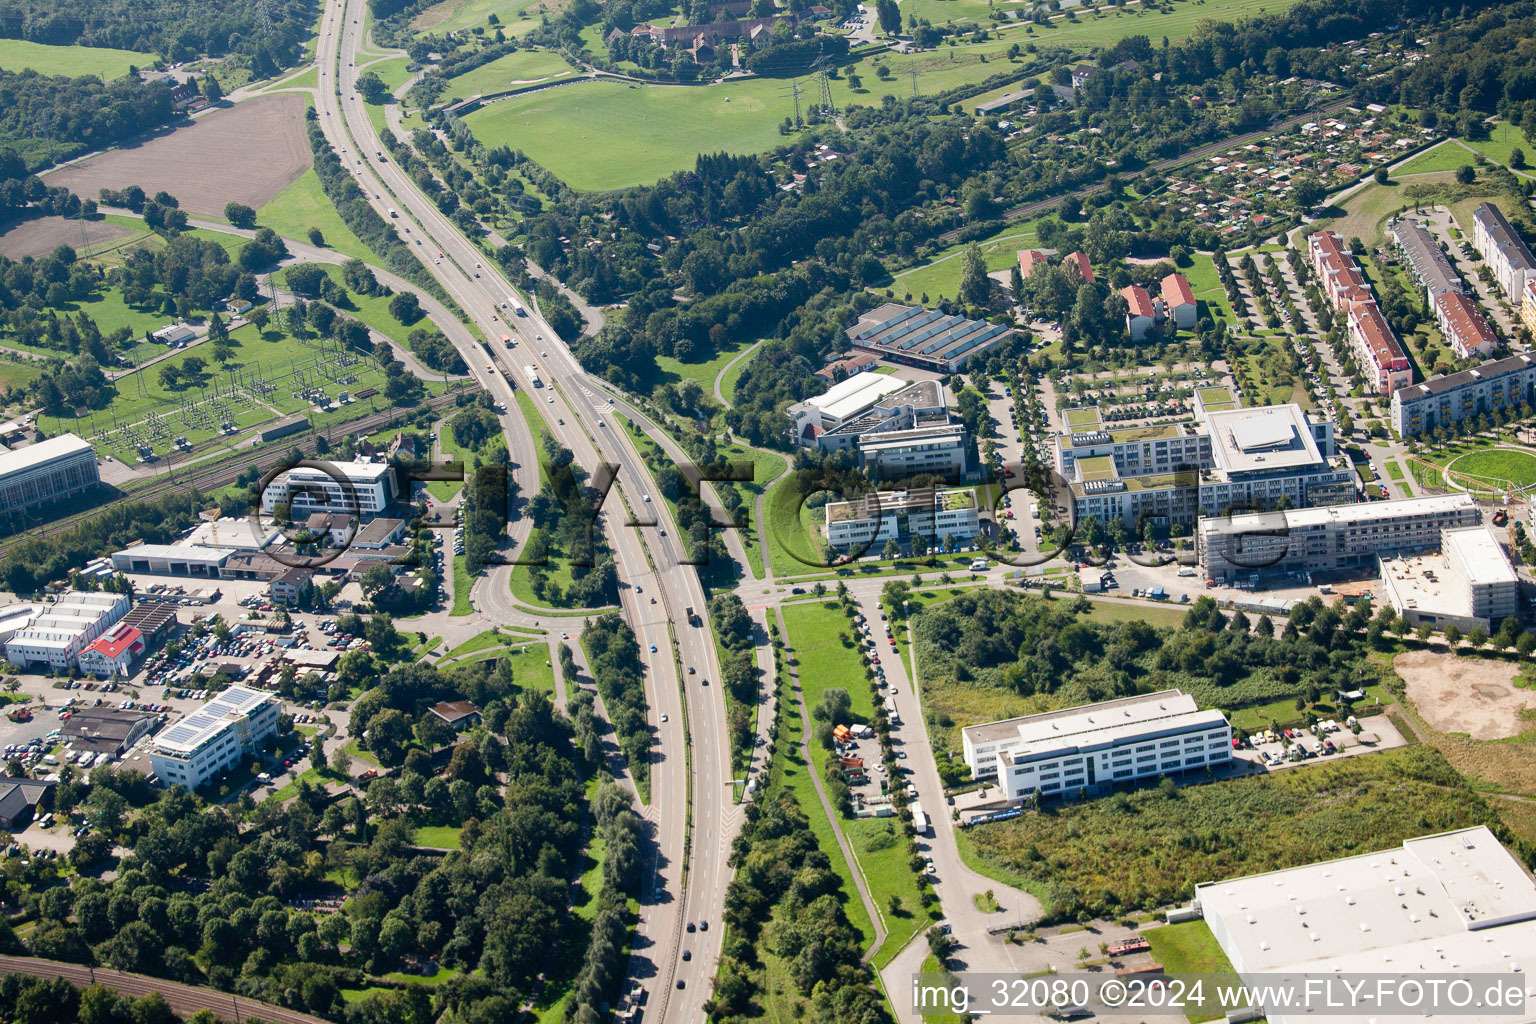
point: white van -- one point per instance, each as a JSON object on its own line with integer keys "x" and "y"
{"x": 979, "y": 564}
{"x": 1186, "y": 570}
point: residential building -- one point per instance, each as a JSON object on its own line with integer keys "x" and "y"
{"x": 348, "y": 488}
{"x": 1136, "y": 451}
{"x": 1528, "y": 305}
{"x": 1092, "y": 747}
{"x": 1083, "y": 264}
{"x": 1502, "y": 249}
{"x": 1425, "y": 258}
{"x": 1029, "y": 259}
{"x": 1140, "y": 313}
{"x": 20, "y": 799}
{"x": 928, "y": 339}
{"x": 1179, "y": 302}
{"x": 113, "y": 653}
{"x": 1456, "y": 902}
{"x": 1445, "y": 401}
{"x": 53, "y": 641}
{"x": 1339, "y": 277}
{"x": 1464, "y": 326}
{"x": 461, "y": 714}
{"x": 938, "y": 449}
{"x": 48, "y": 471}
{"x": 930, "y": 513}
{"x": 1469, "y": 583}
{"x": 1356, "y": 536}
{"x": 215, "y": 738}
{"x": 291, "y": 586}
{"x": 1081, "y": 74}
{"x": 106, "y": 729}
{"x": 842, "y": 369}
{"x": 1377, "y": 351}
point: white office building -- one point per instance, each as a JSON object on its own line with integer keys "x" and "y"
{"x": 1453, "y": 904}
{"x": 355, "y": 488}
{"x": 1469, "y": 584}
{"x": 1255, "y": 545}
{"x": 54, "y": 639}
{"x": 841, "y": 403}
{"x": 938, "y": 449}
{"x": 60, "y": 467}
{"x": 216, "y": 738}
{"x": 928, "y": 512}
{"x": 1094, "y": 746}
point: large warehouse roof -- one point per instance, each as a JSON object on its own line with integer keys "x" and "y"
{"x": 34, "y": 455}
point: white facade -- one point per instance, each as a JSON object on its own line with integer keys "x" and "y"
{"x": 929, "y": 513}
{"x": 364, "y": 488}
{"x": 216, "y": 738}
{"x": 1502, "y": 249}
{"x": 1470, "y": 583}
{"x": 936, "y": 449}
{"x": 54, "y": 640}
{"x": 50, "y": 470}
{"x": 1085, "y": 748}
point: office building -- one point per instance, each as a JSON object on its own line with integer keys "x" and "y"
{"x": 52, "y": 642}
{"x": 1502, "y": 249}
{"x": 215, "y": 738}
{"x": 48, "y": 471}
{"x": 1489, "y": 389}
{"x": 113, "y": 653}
{"x": 1245, "y": 548}
{"x": 1059, "y": 753}
{"x": 349, "y": 488}
{"x": 1464, "y": 326}
{"x": 839, "y": 404}
{"x": 930, "y": 513}
{"x": 1426, "y": 260}
{"x": 938, "y": 449}
{"x": 1452, "y": 904}
{"x": 1470, "y": 583}
{"x": 925, "y": 338}
{"x": 874, "y": 410}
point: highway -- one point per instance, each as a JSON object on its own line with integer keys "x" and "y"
{"x": 648, "y": 564}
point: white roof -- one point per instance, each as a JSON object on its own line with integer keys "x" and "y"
{"x": 1356, "y": 512}
{"x": 34, "y": 455}
{"x": 854, "y": 395}
{"x": 1095, "y": 725}
{"x": 1268, "y": 437}
{"x": 1479, "y": 554}
{"x": 365, "y": 471}
{"x": 1456, "y": 902}
{"x": 176, "y": 552}
{"x": 231, "y": 532}
{"x": 223, "y": 710}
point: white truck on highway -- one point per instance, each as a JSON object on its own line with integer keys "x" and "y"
{"x": 533, "y": 376}
{"x": 515, "y": 306}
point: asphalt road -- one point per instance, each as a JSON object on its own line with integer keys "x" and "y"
{"x": 644, "y": 559}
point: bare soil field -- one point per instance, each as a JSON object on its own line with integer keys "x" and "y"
{"x": 42, "y": 235}
{"x": 1475, "y": 696}
{"x": 247, "y": 154}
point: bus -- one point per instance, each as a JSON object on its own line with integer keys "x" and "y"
{"x": 533, "y": 377}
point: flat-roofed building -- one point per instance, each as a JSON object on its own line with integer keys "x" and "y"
{"x": 48, "y": 471}
{"x": 215, "y": 738}
{"x": 106, "y": 729}
{"x": 1470, "y": 583}
{"x": 1155, "y": 448}
{"x": 938, "y": 449}
{"x": 54, "y": 639}
{"x": 16, "y": 617}
{"x": 1502, "y": 249}
{"x": 930, "y": 513}
{"x": 1489, "y": 389}
{"x": 926, "y": 338}
{"x": 1425, "y": 258}
{"x": 839, "y": 404}
{"x": 1353, "y": 536}
{"x": 354, "y": 488}
{"x": 917, "y": 404}
{"x": 173, "y": 560}
{"x": 1455, "y": 903}
{"x": 1464, "y": 326}
{"x": 1094, "y": 746}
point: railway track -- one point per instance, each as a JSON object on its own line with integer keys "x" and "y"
{"x": 185, "y": 1000}
{"x": 221, "y": 473}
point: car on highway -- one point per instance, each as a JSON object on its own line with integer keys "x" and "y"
{"x": 653, "y": 648}
{"x": 663, "y": 716}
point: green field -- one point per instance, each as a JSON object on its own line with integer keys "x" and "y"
{"x": 453, "y": 15}
{"x": 703, "y": 373}
{"x": 521, "y": 68}
{"x": 303, "y": 205}
{"x": 940, "y": 276}
{"x": 372, "y": 310}
{"x": 309, "y": 79}
{"x": 1447, "y": 156}
{"x": 1190, "y": 948}
{"x": 440, "y": 837}
{"x": 1502, "y": 140}
{"x": 73, "y": 61}
{"x": 1499, "y": 466}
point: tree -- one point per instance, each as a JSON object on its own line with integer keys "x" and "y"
{"x": 1517, "y": 158}
{"x": 316, "y": 237}
{"x": 1466, "y": 174}
{"x": 240, "y": 215}
{"x": 372, "y": 87}
{"x": 975, "y": 285}
{"x": 405, "y": 307}
{"x": 890, "y": 17}
{"x": 1381, "y": 176}
{"x": 376, "y": 578}
{"x": 212, "y": 90}
{"x": 1308, "y": 192}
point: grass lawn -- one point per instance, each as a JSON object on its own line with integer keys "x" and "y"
{"x": 441, "y": 837}
{"x": 703, "y": 373}
{"x": 73, "y": 61}
{"x": 313, "y": 776}
{"x": 531, "y": 669}
{"x": 790, "y": 551}
{"x": 463, "y": 582}
{"x": 1190, "y": 948}
{"x": 479, "y": 642}
{"x": 372, "y": 310}
{"x": 1445, "y": 156}
{"x": 1499, "y": 466}
{"x": 515, "y": 15}
{"x": 524, "y": 67}
{"x": 1162, "y": 616}
{"x": 1207, "y": 287}
{"x": 940, "y": 276}
{"x": 357, "y": 753}
{"x": 301, "y": 206}
{"x": 1503, "y": 139}
{"x": 303, "y": 80}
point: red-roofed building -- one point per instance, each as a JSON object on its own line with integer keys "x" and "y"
{"x": 1140, "y": 313}
{"x": 1377, "y": 350}
{"x": 1084, "y": 266}
{"x": 1464, "y": 325}
{"x": 1179, "y": 301}
{"x": 114, "y": 652}
{"x": 1029, "y": 259}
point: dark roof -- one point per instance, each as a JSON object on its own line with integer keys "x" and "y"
{"x": 377, "y": 531}
{"x": 454, "y": 711}
{"x": 17, "y": 795}
{"x": 1452, "y": 381}
{"x": 151, "y": 616}
{"x": 103, "y": 723}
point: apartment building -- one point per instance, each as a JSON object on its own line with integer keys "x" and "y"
{"x": 1257, "y": 545}
{"x": 1140, "y": 313}
{"x": 1528, "y": 305}
{"x": 1426, "y": 260}
{"x": 1464, "y": 326}
{"x": 929, "y": 513}
{"x": 1376, "y": 349}
{"x": 1446, "y": 401}
{"x": 1502, "y": 249}
{"x": 1089, "y": 748}
{"x": 216, "y": 738}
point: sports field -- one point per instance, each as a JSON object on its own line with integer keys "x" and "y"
{"x": 515, "y": 69}
{"x": 74, "y": 61}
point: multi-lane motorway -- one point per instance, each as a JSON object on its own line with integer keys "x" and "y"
{"x": 649, "y": 564}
